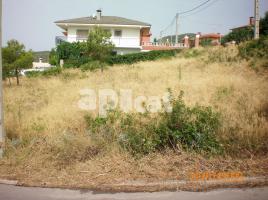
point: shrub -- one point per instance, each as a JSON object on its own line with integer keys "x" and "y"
{"x": 240, "y": 35}
{"x": 76, "y": 63}
{"x": 32, "y": 74}
{"x": 143, "y": 56}
{"x": 222, "y": 54}
{"x": 93, "y": 65}
{"x": 52, "y": 71}
{"x": 206, "y": 42}
{"x": 256, "y": 52}
{"x": 66, "y": 50}
{"x": 53, "y": 57}
{"x": 192, "y": 53}
{"x": 195, "y": 128}
{"x": 190, "y": 128}
{"x": 254, "y": 48}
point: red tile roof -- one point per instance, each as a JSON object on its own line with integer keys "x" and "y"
{"x": 211, "y": 35}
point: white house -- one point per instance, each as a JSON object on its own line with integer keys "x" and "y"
{"x": 128, "y": 35}
{"x": 41, "y": 64}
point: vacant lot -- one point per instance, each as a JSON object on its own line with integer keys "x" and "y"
{"x": 48, "y": 140}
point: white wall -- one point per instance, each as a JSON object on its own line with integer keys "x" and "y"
{"x": 130, "y": 35}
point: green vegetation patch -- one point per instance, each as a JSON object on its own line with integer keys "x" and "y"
{"x": 143, "y": 56}
{"x": 189, "y": 128}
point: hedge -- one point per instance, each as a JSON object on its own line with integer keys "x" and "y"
{"x": 76, "y": 63}
{"x": 143, "y": 56}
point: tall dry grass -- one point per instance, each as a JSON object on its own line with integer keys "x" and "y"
{"x": 42, "y": 116}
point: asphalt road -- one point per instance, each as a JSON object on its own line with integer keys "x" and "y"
{"x": 10, "y": 192}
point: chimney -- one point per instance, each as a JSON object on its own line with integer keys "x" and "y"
{"x": 251, "y": 21}
{"x": 98, "y": 14}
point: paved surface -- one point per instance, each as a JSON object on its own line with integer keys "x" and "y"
{"x": 10, "y": 192}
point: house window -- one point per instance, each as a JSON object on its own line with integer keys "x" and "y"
{"x": 118, "y": 33}
{"x": 83, "y": 34}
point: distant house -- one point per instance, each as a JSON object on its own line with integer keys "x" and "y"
{"x": 249, "y": 25}
{"x": 41, "y": 64}
{"x": 213, "y": 38}
{"x": 128, "y": 35}
{"x": 172, "y": 38}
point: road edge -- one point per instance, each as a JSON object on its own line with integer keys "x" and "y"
{"x": 156, "y": 186}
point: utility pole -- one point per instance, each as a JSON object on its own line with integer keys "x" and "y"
{"x": 257, "y": 20}
{"x": 2, "y": 135}
{"x": 177, "y": 28}
{"x": 161, "y": 37}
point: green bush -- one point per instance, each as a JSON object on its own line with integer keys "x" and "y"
{"x": 188, "y": 128}
{"x": 143, "y": 56}
{"x": 256, "y": 52}
{"x": 66, "y": 50}
{"x": 91, "y": 66}
{"x": 254, "y": 48}
{"x": 54, "y": 71}
{"x": 240, "y": 35}
{"x": 192, "y": 53}
{"x": 76, "y": 63}
{"x": 194, "y": 128}
{"x": 206, "y": 42}
{"x": 53, "y": 57}
{"x": 33, "y": 74}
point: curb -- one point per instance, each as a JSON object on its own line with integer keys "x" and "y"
{"x": 164, "y": 185}
{"x": 8, "y": 182}
{"x": 184, "y": 185}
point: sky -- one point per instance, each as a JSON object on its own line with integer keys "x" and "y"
{"x": 32, "y": 21}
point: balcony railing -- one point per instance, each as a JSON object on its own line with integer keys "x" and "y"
{"x": 157, "y": 44}
{"x": 133, "y": 42}
{"x": 126, "y": 41}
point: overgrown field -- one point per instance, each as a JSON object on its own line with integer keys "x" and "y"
{"x": 220, "y": 123}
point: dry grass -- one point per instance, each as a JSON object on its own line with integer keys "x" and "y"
{"x": 42, "y": 116}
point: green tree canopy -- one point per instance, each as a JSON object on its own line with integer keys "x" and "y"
{"x": 99, "y": 45}
{"x": 53, "y": 57}
{"x": 15, "y": 58}
{"x": 264, "y": 25}
{"x": 240, "y": 35}
{"x": 247, "y": 33}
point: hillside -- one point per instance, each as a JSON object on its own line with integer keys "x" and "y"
{"x": 41, "y": 54}
{"x": 172, "y": 38}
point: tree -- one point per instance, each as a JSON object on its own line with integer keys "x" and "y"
{"x": 247, "y": 33}
{"x": 264, "y": 25}
{"x": 99, "y": 46}
{"x": 155, "y": 40}
{"x": 53, "y": 57}
{"x": 15, "y": 58}
{"x": 240, "y": 35}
